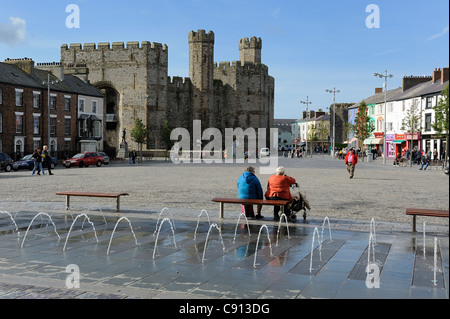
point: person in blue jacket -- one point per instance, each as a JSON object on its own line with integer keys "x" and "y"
{"x": 249, "y": 187}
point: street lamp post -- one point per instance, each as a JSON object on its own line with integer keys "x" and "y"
{"x": 385, "y": 76}
{"x": 306, "y": 122}
{"x": 334, "y": 91}
{"x": 48, "y": 105}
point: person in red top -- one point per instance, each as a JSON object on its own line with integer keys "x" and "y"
{"x": 278, "y": 188}
{"x": 351, "y": 160}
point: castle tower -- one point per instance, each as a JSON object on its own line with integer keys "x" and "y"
{"x": 250, "y": 50}
{"x": 201, "y": 71}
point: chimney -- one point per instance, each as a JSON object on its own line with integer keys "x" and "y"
{"x": 378, "y": 90}
{"x": 444, "y": 75}
{"x": 436, "y": 75}
{"x": 26, "y": 64}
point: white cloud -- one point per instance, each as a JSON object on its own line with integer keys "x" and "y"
{"x": 13, "y": 32}
{"x": 443, "y": 32}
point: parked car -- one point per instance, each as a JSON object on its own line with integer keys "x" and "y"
{"x": 265, "y": 152}
{"x": 6, "y": 162}
{"x": 105, "y": 158}
{"x": 27, "y": 162}
{"x": 84, "y": 160}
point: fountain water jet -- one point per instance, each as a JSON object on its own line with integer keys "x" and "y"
{"x": 10, "y": 216}
{"x": 198, "y": 220}
{"x": 165, "y": 209}
{"x": 246, "y": 221}
{"x": 39, "y": 214}
{"x": 101, "y": 211}
{"x": 207, "y": 236}
{"x": 316, "y": 231}
{"x": 279, "y": 226}
{"x": 112, "y": 235}
{"x": 372, "y": 230}
{"x": 257, "y": 242}
{"x": 329, "y": 228}
{"x": 73, "y": 223}
{"x": 159, "y": 230}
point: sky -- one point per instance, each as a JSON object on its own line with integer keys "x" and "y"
{"x": 308, "y": 46}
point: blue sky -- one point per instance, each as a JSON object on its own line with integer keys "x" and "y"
{"x": 309, "y": 46}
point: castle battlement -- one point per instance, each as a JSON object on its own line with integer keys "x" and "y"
{"x": 239, "y": 66}
{"x": 250, "y": 43}
{"x": 201, "y": 36}
{"x": 88, "y": 47}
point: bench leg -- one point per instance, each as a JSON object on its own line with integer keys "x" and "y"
{"x": 67, "y": 202}
{"x": 118, "y": 204}
{"x": 221, "y": 211}
{"x": 414, "y": 224}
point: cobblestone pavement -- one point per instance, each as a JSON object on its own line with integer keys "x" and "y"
{"x": 34, "y": 265}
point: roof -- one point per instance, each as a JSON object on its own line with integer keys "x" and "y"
{"x": 283, "y": 124}
{"x": 12, "y": 74}
{"x": 420, "y": 90}
{"x": 379, "y": 97}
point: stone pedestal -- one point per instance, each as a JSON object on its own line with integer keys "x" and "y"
{"x": 123, "y": 150}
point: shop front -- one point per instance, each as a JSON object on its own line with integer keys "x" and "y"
{"x": 399, "y": 145}
{"x": 416, "y": 138}
{"x": 390, "y": 146}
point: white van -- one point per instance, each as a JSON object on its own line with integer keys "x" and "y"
{"x": 265, "y": 152}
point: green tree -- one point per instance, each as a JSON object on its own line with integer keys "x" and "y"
{"x": 139, "y": 134}
{"x": 165, "y": 136}
{"x": 411, "y": 123}
{"x": 363, "y": 128}
{"x": 440, "y": 125}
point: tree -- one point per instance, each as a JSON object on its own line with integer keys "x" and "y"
{"x": 165, "y": 135}
{"x": 139, "y": 134}
{"x": 411, "y": 123}
{"x": 363, "y": 128}
{"x": 440, "y": 125}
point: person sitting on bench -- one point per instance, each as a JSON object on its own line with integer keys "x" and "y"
{"x": 278, "y": 188}
{"x": 249, "y": 187}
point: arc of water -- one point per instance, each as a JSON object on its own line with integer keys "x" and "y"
{"x": 316, "y": 231}
{"x": 39, "y": 214}
{"x": 326, "y": 219}
{"x": 73, "y": 223}
{"x": 101, "y": 211}
{"x": 235, "y": 228}
{"x": 159, "y": 230}
{"x": 198, "y": 220}
{"x": 114, "y": 230}
{"x": 424, "y": 241}
{"x": 10, "y": 216}
{"x": 257, "y": 242}
{"x": 20, "y": 208}
{"x": 372, "y": 231}
{"x": 165, "y": 209}
{"x": 279, "y": 226}
{"x": 207, "y": 236}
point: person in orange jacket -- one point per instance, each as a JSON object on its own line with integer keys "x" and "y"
{"x": 351, "y": 159}
{"x": 278, "y": 188}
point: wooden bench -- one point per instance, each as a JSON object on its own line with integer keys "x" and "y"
{"x": 425, "y": 212}
{"x": 92, "y": 194}
{"x": 248, "y": 202}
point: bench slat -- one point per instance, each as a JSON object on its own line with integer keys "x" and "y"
{"x": 248, "y": 202}
{"x": 91, "y": 194}
{"x": 414, "y": 212}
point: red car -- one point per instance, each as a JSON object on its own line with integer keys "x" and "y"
{"x": 84, "y": 160}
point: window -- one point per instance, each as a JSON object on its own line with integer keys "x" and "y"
{"x": 19, "y": 123}
{"x": 403, "y": 106}
{"x": 35, "y": 124}
{"x": 52, "y": 125}
{"x": 80, "y": 128}
{"x": 81, "y": 105}
{"x": 1, "y": 122}
{"x": 427, "y": 122}
{"x": 36, "y": 143}
{"x": 1, "y": 96}
{"x": 19, "y": 97}
{"x": 389, "y": 126}
{"x": 93, "y": 107}
{"x": 67, "y": 145}
{"x": 36, "y": 99}
{"x": 96, "y": 128}
{"x": 53, "y": 102}
{"x": 67, "y": 126}
{"x": 429, "y": 103}
{"x": 390, "y": 107}
{"x": 67, "y": 103}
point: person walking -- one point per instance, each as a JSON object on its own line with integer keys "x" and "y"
{"x": 278, "y": 188}
{"x": 424, "y": 161}
{"x": 351, "y": 159}
{"x": 38, "y": 162}
{"x": 249, "y": 187}
{"x": 47, "y": 160}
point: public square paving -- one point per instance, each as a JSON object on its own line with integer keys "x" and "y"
{"x": 191, "y": 258}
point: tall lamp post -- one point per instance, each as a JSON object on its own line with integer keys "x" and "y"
{"x": 48, "y": 105}
{"x": 334, "y": 91}
{"x": 385, "y": 76}
{"x": 307, "y": 117}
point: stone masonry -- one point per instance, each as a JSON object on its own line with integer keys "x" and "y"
{"x": 135, "y": 81}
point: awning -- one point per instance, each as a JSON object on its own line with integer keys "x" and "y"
{"x": 351, "y": 140}
{"x": 398, "y": 141}
{"x": 368, "y": 141}
{"x": 377, "y": 141}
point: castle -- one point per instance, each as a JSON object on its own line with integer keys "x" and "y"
{"x": 134, "y": 79}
